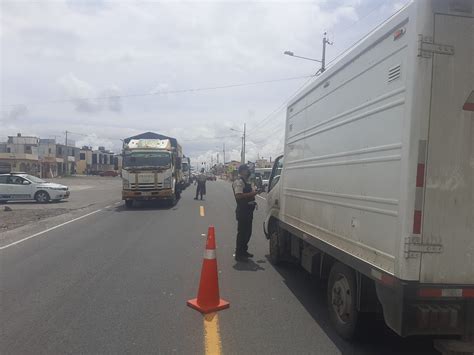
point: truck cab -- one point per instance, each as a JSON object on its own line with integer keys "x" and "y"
{"x": 152, "y": 170}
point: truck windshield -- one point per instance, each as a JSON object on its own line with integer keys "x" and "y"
{"x": 147, "y": 159}
{"x": 185, "y": 167}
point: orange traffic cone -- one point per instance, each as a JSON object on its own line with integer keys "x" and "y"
{"x": 208, "y": 299}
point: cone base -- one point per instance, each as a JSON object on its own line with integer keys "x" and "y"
{"x": 194, "y": 304}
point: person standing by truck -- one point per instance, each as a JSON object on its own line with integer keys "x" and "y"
{"x": 245, "y": 198}
{"x": 201, "y": 184}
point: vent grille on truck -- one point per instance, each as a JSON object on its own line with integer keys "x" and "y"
{"x": 394, "y": 73}
{"x": 146, "y": 186}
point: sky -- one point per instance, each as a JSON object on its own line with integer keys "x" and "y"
{"x": 106, "y": 70}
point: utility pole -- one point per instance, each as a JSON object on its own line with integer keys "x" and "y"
{"x": 243, "y": 146}
{"x": 67, "y": 155}
{"x": 323, "y": 60}
{"x": 224, "y": 152}
{"x": 245, "y": 142}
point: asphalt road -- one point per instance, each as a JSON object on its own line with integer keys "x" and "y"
{"x": 117, "y": 281}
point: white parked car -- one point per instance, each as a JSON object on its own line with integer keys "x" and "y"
{"x": 19, "y": 186}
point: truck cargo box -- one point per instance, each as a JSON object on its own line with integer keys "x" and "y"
{"x": 379, "y": 151}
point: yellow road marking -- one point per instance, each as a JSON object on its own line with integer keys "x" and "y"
{"x": 201, "y": 211}
{"x": 212, "y": 337}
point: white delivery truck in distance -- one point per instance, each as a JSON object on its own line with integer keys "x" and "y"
{"x": 376, "y": 189}
{"x": 151, "y": 168}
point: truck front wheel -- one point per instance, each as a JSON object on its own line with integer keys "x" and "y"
{"x": 173, "y": 201}
{"x": 275, "y": 246}
{"x": 342, "y": 300}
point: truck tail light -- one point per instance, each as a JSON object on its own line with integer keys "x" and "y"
{"x": 446, "y": 292}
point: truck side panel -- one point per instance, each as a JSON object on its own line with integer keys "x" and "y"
{"x": 343, "y": 174}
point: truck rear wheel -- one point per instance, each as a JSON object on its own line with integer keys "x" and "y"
{"x": 342, "y": 300}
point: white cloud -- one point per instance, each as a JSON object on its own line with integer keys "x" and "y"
{"x": 88, "y": 99}
{"x": 107, "y": 48}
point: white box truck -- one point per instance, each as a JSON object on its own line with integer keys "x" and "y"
{"x": 376, "y": 190}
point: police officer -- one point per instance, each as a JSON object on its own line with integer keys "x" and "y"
{"x": 201, "y": 184}
{"x": 245, "y": 198}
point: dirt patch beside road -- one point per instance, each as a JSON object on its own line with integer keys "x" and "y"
{"x": 21, "y": 217}
{"x": 86, "y": 192}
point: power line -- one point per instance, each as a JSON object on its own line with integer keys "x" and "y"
{"x": 271, "y": 133}
{"x": 281, "y": 106}
{"x": 207, "y": 138}
{"x": 166, "y": 92}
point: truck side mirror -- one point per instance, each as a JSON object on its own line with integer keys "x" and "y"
{"x": 276, "y": 171}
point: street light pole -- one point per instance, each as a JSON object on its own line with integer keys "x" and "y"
{"x": 67, "y": 155}
{"x": 243, "y": 150}
{"x": 323, "y": 59}
{"x": 224, "y": 152}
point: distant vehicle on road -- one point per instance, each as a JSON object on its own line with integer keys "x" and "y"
{"x": 376, "y": 191}
{"x": 19, "y": 186}
{"x": 211, "y": 177}
{"x": 264, "y": 175}
{"x": 109, "y": 173}
{"x": 152, "y": 169}
{"x": 186, "y": 167}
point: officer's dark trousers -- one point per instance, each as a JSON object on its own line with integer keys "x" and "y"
{"x": 200, "y": 190}
{"x": 244, "y": 232}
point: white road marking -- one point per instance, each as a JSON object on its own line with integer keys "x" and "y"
{"x": 118, "y": 203}
{"x": 48, "y": 230}
{"x": 108, "y": 206}
{"x": 263, "y": 198}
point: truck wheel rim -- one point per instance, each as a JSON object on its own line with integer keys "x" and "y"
{"x": 342, "y": 299}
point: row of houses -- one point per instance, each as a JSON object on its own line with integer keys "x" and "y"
{"x": 47, "y": 158}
